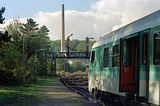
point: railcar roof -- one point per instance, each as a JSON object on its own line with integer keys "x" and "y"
{"x": 146, "y": 22}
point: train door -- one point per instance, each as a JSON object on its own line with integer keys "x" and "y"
{"x": 129, "y": 64}
{"x": 144, "y": 74}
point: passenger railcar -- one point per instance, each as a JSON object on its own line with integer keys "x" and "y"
{"x": 125, "y": 64}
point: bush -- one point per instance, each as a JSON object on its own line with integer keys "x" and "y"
{"x": 7, "y": 78}
{"x": 17, "y": 76}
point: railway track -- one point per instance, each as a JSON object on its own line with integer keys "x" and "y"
{"x": 79, "y": 84}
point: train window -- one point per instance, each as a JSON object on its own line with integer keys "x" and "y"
{"x": 115, "y": 56}
{"x": 92, "y": 56}
{"x": 127, "y": 53}
{"x": 144, "y": 48}
{"x": 106, "y": 57}
{"x": 157, "y": 48}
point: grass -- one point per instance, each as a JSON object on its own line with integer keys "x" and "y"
{"x": 76, "y": 101}
{"x": 20, "y": 95}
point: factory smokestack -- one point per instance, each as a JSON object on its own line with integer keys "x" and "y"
{"x": 63, "y": 30}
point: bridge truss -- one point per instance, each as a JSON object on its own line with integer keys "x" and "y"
{"x": 67, "y": 55}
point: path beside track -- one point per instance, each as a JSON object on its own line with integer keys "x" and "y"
{"x": 54, "y": 93}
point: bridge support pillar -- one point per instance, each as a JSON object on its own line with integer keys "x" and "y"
{"x": 53, "y": 67}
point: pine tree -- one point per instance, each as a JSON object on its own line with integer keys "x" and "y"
{"x": 4, "y": 37}
{"x": 1, "y": 15}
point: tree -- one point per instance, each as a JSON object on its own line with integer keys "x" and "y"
{"x": 45, "y": 40}
{"x": 4, "y": 37}
{"x": 1, "y": 15}
{"x": 73, "y": 44}
{"x": 9, "y": 55}
{"x": 33, "y": 38}
{"x": 29, "y": 28}
{"x": 14, "y": 30}
{"x": 55, "y": 46}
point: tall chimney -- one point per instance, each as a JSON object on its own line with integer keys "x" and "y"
{"x": 63, "y": 31}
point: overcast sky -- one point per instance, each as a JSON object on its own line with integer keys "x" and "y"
{"x": 93, "y": 18}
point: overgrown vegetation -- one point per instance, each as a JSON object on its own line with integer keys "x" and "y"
{"x": 21, "y": 46}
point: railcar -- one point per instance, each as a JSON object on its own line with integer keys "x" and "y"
{"x": 125, "y": 64}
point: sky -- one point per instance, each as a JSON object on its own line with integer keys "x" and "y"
{"x": 92, "y": 18}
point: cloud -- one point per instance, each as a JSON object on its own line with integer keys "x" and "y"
{"x": 103, "y": 17}
{"x": 81, "y": 24}
{"x": 10, "y": 21}
{"x": 129, "y": 10}
{"x": 52, "y": 21}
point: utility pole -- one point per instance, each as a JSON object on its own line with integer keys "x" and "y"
{"x": 24, "y": 57}
{"x": 67, "y": 45}
{"x": 36, "y": 62}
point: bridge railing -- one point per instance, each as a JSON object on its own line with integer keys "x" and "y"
{"x": 71, "y": 55}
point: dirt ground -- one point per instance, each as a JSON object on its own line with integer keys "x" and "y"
{"x": 54, "y": 93}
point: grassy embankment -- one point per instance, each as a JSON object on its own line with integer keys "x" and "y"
{"x": 20, "y": 95}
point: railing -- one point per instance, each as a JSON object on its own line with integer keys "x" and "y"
{"x": 71, "y": 55}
